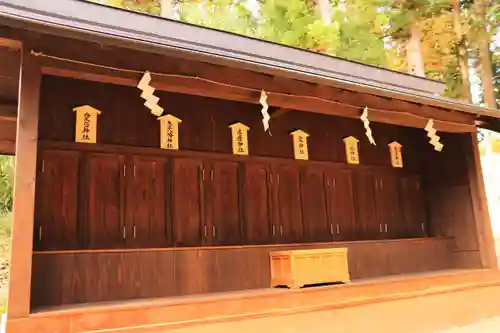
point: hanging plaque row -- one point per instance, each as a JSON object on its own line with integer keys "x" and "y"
{"x": 86, "y": 132}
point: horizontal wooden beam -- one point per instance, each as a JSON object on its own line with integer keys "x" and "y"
{"x": 280, "y": 112}
{"x": 10, "y": 62}
{"x": 8, "y": 112}
{"x": 7, "y": 147}
{"x": 207, "y": 88}
{"x": 10, "y": 43}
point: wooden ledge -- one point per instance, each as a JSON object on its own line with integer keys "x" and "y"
{"x": 236, "y": 247}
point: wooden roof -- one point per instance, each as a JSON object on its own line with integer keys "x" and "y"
{"x": 78, "y": 19}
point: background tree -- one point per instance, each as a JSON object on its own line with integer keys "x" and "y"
{"x": 227, "y": 15}
{"x": 461, "y": 51}
{"x": 6, "y": 183}
{"x": 440, "y": 39}
{"x": 482, "y": 39}
{"x": 496, "y": 75}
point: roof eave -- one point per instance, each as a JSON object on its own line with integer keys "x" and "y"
{"x": 20, "y": 13}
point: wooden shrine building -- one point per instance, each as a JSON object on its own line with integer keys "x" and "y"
{"x": 120, "y": 203}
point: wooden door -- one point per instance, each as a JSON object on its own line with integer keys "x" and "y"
{"x": 57, "y": 201}
{"x": 222, "y": 203}
{"x": 145, "y": 202}
{"x": 387, "y": 201}
{"x": 314, "y": 205}
{"x": 341, "y": 210}
{"x": 187, "y": 202}
{"x": 286, "y": 204}
{"x": 367, "y": 225}
{"x": 104, "y": 222}
{"x": 412, "y": 207}
{"x": 256, "y": 200}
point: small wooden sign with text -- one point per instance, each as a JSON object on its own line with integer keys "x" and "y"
{"x": 351, "y": 150}
{"x": 300, "y": 149}
{"x": 396, "y": 151}
{"x": 86, "y": 124}
{"x": 169, "y": 132}
{"x": 495, "y": 145}
{"x": 239, "y": 132}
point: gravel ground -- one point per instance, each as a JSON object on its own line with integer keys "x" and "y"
{"x": 491, "y": 325}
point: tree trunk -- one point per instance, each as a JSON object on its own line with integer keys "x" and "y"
{"x": 463, "y": 57}
{"x": 323, "y": 8}
{"x": 485, "y": 55}
{"x": 167, "y": 9}
{"x": 413, "y": 51}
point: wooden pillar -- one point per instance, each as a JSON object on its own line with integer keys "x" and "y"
{"x": 24, "y": 187}
{"x": 480, "y": 205}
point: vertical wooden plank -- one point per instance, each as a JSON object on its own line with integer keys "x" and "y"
{"x": 387, "y": 201}
{"x": 412, "y": 208}
{"x": 56, "y": 201}
{"x": 163, "y": 284}
{"x": 145, "y": 203}
{"x": 104, "y": 212}
{"x": 341, "y": 206}
{"x": 221, "y": 204}
{"x": 368, "y": 226}
{"x": 288, "y": 203}
{"x": 187, "y": 201}
{"x": 256, "y": 203}
{"x": 24, "y": 187}
{"x": 314, "y": 205}
{"x": 480, "y": 204}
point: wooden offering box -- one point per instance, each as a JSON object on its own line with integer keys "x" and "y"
{"x": 301, "y": 267}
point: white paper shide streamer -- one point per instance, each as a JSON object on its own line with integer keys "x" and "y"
{"x": 431, "y": 133}
{"x": 265, "y": 106}
{"x": 366, "y": 123}
{"x": 147, "y": 94}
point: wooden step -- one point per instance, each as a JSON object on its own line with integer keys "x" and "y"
{"x": 158, "y": 315}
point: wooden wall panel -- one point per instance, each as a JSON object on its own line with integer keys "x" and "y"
{"x": 187, "y": 202}
{"x": 56, "y": 201}
{"x": 126, "y": 121}
{"x": 448, "y": 196}
{"x": 256, "y": 212}
{"x": 341, "y": 208}
{"x": 222, "y": 213}
{"x": 145, "y": 199}
{"x": 106, "y": 190}
{"x": 67, "y": 278}
{"x": 317, "y": 227}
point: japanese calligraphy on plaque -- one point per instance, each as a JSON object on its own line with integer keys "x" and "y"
{"x": 169, "y": 132}
{"x": 86, "y": 124}
{"x": 395, "y": 149}
{"x": 300, "y": 145}
{"x": 239, "y": 132}
{"x": 351, "y": 150}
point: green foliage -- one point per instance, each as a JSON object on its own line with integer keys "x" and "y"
{"x": 293, "y": 23}
{"x": 403, "y": 12}
{"x": 6, "y": 183}
{"x": 143, "y": 6}
{"x": 496, "y": 75}
{"x": 362, "y": 26}
{"x": 373, "y": 32}
{"x": 226, "y": 15}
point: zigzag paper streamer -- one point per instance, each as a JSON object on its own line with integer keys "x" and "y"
{"x": 147, "y": 94}
{"x": 366, "y": 123}
{"x": 265, "y": 106}
{"x": 431, "y": 133}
